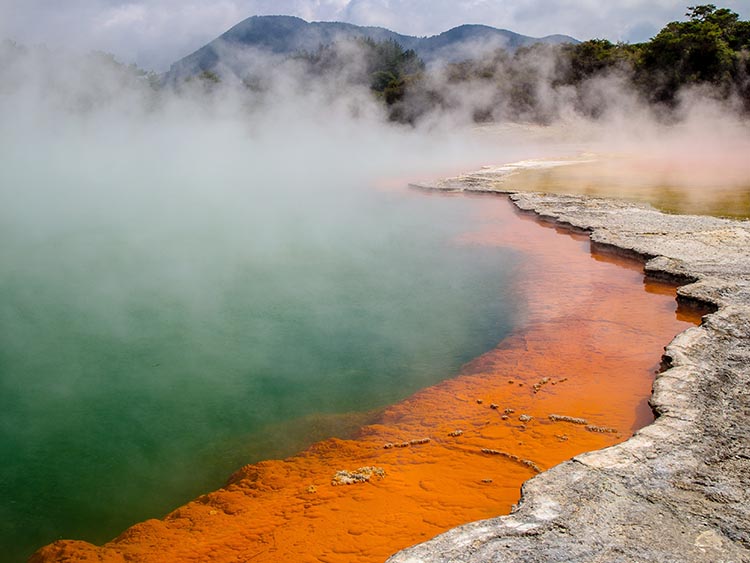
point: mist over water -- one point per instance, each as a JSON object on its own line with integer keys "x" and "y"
{"x": 178, "y": 284}
{"x": 195, "y": 279}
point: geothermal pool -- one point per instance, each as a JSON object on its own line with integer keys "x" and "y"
{"x": 563, "y": 345}
{"x": 143, "y": 363}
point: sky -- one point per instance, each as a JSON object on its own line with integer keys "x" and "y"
{"x": 156, "y": 33}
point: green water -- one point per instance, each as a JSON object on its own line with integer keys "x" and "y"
{"x": 148, "y": 350}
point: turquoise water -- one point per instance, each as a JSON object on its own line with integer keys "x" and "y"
{"x": 150, "y": 346}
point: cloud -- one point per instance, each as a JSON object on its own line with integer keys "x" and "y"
{"x": 585, "y": 19}
{"x": 124, "y": 16}
{"x": 155, "y": 33}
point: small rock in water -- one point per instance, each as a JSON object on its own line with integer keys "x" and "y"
{"x": 601, "y": 429}
{"x": 361, "y": 475}
{"x": 563, "y": 418}
{"x": 541, "y": 383}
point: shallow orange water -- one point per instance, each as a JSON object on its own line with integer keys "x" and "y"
{"x": 591, "y": 342}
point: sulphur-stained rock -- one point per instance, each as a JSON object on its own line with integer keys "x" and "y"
{"x": 679, "y": 490}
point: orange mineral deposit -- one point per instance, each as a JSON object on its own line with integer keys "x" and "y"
{"x": 575, "y": 376}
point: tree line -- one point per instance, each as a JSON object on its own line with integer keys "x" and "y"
{"x": 710, "y": 50}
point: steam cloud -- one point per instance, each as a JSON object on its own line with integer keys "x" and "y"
{"x": 133, "y": 220}
{"x": 93, "y": 158}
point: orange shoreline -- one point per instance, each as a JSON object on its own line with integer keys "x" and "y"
{"x": 587, "y": 350}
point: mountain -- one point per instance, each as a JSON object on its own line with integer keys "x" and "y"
{"x": 468, "y": 41}
{"x": 288, "y": 35}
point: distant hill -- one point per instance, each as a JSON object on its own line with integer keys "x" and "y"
{"x": 469, "y": 41}
{"x": 288, "y": 35}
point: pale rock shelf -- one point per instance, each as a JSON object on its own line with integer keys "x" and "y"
{"x": 679, "y": 489}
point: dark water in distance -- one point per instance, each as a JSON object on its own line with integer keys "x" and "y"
{"x": 141, "y": 363}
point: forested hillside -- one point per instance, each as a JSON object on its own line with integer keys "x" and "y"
{"x": 707, "y": 54}
{"x": 710, "y": 51}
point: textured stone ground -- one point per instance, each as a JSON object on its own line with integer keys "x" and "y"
{"x": 679, "y": 490}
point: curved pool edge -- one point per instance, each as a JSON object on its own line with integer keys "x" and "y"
{"x": 678, "y": 489}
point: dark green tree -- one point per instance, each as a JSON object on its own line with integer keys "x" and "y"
{"x": 590, "y": 58}
{"x": 698, "y": 51}
{"x": 391, "y": 68}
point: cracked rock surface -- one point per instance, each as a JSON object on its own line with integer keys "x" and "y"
{"x": 679, "y": 489}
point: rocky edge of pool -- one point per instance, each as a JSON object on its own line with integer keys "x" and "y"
{"x": 679, "y": 489}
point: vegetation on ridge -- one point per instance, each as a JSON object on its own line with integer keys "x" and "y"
{"x": 709, "y": 51}
{"x": 387, "y": 67}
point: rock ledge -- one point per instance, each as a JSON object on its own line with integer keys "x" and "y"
{"x": 679, "y": 489}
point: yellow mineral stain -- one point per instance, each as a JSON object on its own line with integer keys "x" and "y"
{"x": 685, "y": 185}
